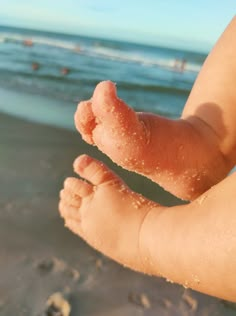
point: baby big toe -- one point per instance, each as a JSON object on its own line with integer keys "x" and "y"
{"x": 94, "y": 171}
{"x": 109, "y": 109}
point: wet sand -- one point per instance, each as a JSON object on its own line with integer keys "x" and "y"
{"x": 40, "y": 257}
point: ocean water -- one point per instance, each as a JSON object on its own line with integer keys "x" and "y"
{"x": 148, "y": 78}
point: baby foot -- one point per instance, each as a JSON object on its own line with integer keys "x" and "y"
{"x": 180, "y": 155}
{"x": 104, "y": 211}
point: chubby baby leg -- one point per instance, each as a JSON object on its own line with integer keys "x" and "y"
{"x": 191, "y": 244}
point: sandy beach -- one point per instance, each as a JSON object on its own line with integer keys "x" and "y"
{"x": 40, "y": 257}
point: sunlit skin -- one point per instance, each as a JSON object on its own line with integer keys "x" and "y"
{"x": 192, "y": 244}
{"x": 185, "y": 156}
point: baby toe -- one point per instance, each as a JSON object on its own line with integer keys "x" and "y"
{"x": 68, "y": 211}
{"x": 85, "y": 121}
{"x": 70, "y": 198}
{"x": 78, "y": 187}
{"x": 95, "y": 171}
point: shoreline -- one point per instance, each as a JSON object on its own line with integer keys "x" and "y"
{"x": 36, "y": 108}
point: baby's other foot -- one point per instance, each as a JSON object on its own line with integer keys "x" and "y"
{"x": 104, "y": 211}
{"x": 180, "y": 155}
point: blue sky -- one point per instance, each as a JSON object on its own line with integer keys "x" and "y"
{"x": 185, "y": 23}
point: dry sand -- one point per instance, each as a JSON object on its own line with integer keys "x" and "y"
{"x": 40, "y": 257}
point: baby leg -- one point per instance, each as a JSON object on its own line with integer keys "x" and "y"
{"x": 194, "y": 244}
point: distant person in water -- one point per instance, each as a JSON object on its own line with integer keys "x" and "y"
{"x": 183, "y": 65}
{"x": 28, "y": 42}
{"x": 65, "y": 71}
{"x": 192, "y": 244}
{"x": 78, "y": 49}
{"x": 179, "y": 65}
{"x": 35, "y": 66}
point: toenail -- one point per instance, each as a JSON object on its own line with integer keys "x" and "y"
{"x": 82, "y": 162}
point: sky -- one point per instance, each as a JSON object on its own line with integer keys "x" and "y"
{"x": 190, "y": 24}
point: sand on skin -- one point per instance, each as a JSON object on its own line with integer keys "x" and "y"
{"x": 40, "y": 257}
